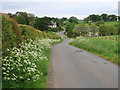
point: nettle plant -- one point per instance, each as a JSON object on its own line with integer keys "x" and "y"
{"x": 21, "y": 65}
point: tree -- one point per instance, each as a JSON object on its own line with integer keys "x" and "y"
{"x": 73, "y": 20}
{"x": 86, "y": 20}
{"x": 80, "y": 29}
{"x": 25, "y": 15}
{"x": 42, "y": 23}
{"x": 93, "y": 29}
{"x": 69, "y": 29}
{"x": 31, "y": 18}
{"x": 112, "y": 18}
{"x": 20, "y": 19}
{"x": 104, "y": 17}
{"x": 103, "y": 29}
{"x": 64, "y": 19}
{"x": 94, "y": 17}
{"x": 115, "y": 32}
{"x": 98, "y": 23}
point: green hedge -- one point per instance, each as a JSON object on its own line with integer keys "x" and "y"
{"x": 32, "y": 33}
{"x": 11, "y": 34}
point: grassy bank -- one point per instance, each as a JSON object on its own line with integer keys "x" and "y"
{"x": 27, "y": 66}
{"x": 26, "y": 54}
{"x": 106, "y": 49}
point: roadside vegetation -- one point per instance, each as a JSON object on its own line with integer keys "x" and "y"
{"x": 26, "y": 54}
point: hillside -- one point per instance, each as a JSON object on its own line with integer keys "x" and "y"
{"x": 13, "y": 34}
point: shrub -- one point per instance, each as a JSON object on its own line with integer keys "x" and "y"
{"x": 11, "y": 34}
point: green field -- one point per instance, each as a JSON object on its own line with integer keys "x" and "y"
{"x": 107, "y": 49}
{"x": 112, "y": 23}
{"x": 113, "y": 37}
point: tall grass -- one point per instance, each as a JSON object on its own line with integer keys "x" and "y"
{"x": 106, "y": 49}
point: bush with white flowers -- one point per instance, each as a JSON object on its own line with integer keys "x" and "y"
{"x": 21, "y": 65}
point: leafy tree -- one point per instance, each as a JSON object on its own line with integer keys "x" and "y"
{"x": 64, "y": 19}
{"x": 103, "y": 30}
{"x": 28, "y": 17}
{"x": 80, "y": 29}
{"x": 73, "y": 20}
{"x": 42, "y": 23}
{"x": 93, "y": 29}
{"x": 25, "y": 15}
{"x": 104, "y": 17}
{"x": 69, "y": 29}
{"x": 31, "y": 18}
{"x": 20, "y": 19}
{"x": 112, "y": 18}
{"x": 94, "y": 17}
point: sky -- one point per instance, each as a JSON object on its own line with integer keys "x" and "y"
{"x": 61, "y": 8}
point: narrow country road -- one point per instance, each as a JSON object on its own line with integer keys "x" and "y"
{"x": 71, "y": 67}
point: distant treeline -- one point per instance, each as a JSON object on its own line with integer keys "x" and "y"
{"x": 42, "y": 23}
{"x": 103, "y": 17}
{"x": 93, "y": 25}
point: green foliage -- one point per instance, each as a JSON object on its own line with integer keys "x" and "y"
{"x": 98, "y": 23}
{"x": 94, "y": 17}
{"x": 57, "y": 29}
{"x": 108, "y": 29}
{"x": 42, "y": 23}
{"x": 28, "y": 64}
{"x": 112, "y": 17}
{"x": 80, "y": 29}
{"x": 86, "y": 20}
{"x": 107, "y": 49}
{"x": 73, "y": 19}
{"x": 20, "y": 19}
{"x": 104, "y": 17}
{"x": 11, "y": 34}
{"x": 112, "y": 23}
{"x": 20, "y": 55}
{"x": 30, "y": 32}
{"x": 69, "y": 29}
{"x": 93, "y": 29}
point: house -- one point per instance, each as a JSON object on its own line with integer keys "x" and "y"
{"x": 90, "y": 34}
{"x": 53, "y": 25}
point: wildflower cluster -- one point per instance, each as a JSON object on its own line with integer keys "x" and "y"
{"x": 21, "y": 65}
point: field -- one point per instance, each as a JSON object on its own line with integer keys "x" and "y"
{"x": 105, "y": 48}
{"x": 112, "y": 23}
{"x": 113, "y": 37}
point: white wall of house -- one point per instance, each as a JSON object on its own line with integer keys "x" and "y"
{"x": 54, "y": 25}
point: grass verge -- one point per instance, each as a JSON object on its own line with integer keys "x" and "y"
{"x": 106, "y": 49}
{"x": 43, "y": 66}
